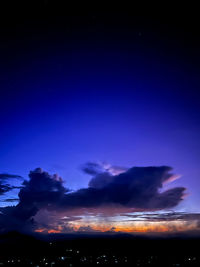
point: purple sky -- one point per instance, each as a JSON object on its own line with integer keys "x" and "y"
{"x": 123, "y": 94}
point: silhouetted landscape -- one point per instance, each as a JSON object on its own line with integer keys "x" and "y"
{"x": 91, "y": 250}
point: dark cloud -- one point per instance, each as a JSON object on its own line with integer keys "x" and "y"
{"x": 163, "y": 217}
{"x": 137, "y": 188}
{"x": 184, "y": 222}
{"x": 42, "y": 189}
{"x": 4, "y": 185}
{"x": 4, "y": 188}
{"x": 10, "y": 200}
{"x": 101, "y": 180}
{"x": 88, "y": 229}
{"x": 10, "y": 219}
{"x": 6, "y": 176}
{"x": 92, "y": 168}
{"x": 100, "y": 173}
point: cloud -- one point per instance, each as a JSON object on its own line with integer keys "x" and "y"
{"x": 4, "y": 188}
{"x": 116, "y": 188}
{"x": 163, "y": 217}
{"x": 101, "y": 174}
{"x": 6, "y": 176}
{"x": 94, "y": 168}
{"x": 4, "y": 185}
{"x": 51, "y": 219}
{"x": 10, "y": 219}
{"x": 42, "y": 189}
{"x": 11, "y": 200}
{"x": 137, "y": 188}
{"x": 88, "y": 229}
{"x": 101, "y": 180}
{"x": 172, "y": 221}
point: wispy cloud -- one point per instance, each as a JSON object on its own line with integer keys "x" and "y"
{"x": 5, "y": 186}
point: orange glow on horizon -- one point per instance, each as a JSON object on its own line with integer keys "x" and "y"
{"x": 41, "y": 230}
{"x": 53, "y": 231}
{"x": 142, "y": 229}
{"x": 149, "y": 227}
{"x": 50, "y": 231}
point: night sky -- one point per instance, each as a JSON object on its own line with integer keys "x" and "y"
{"x": 100, "y": 120}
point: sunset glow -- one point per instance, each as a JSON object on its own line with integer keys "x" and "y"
{"x": 139, "y": 227}
{"x": 100, "y": 124}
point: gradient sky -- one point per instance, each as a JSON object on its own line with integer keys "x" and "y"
{"x": 121, "y": 89}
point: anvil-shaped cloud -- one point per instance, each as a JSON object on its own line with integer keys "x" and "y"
{"x": 136, "y": 188}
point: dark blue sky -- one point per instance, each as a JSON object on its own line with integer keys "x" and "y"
{"x": 114, "y": 88}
